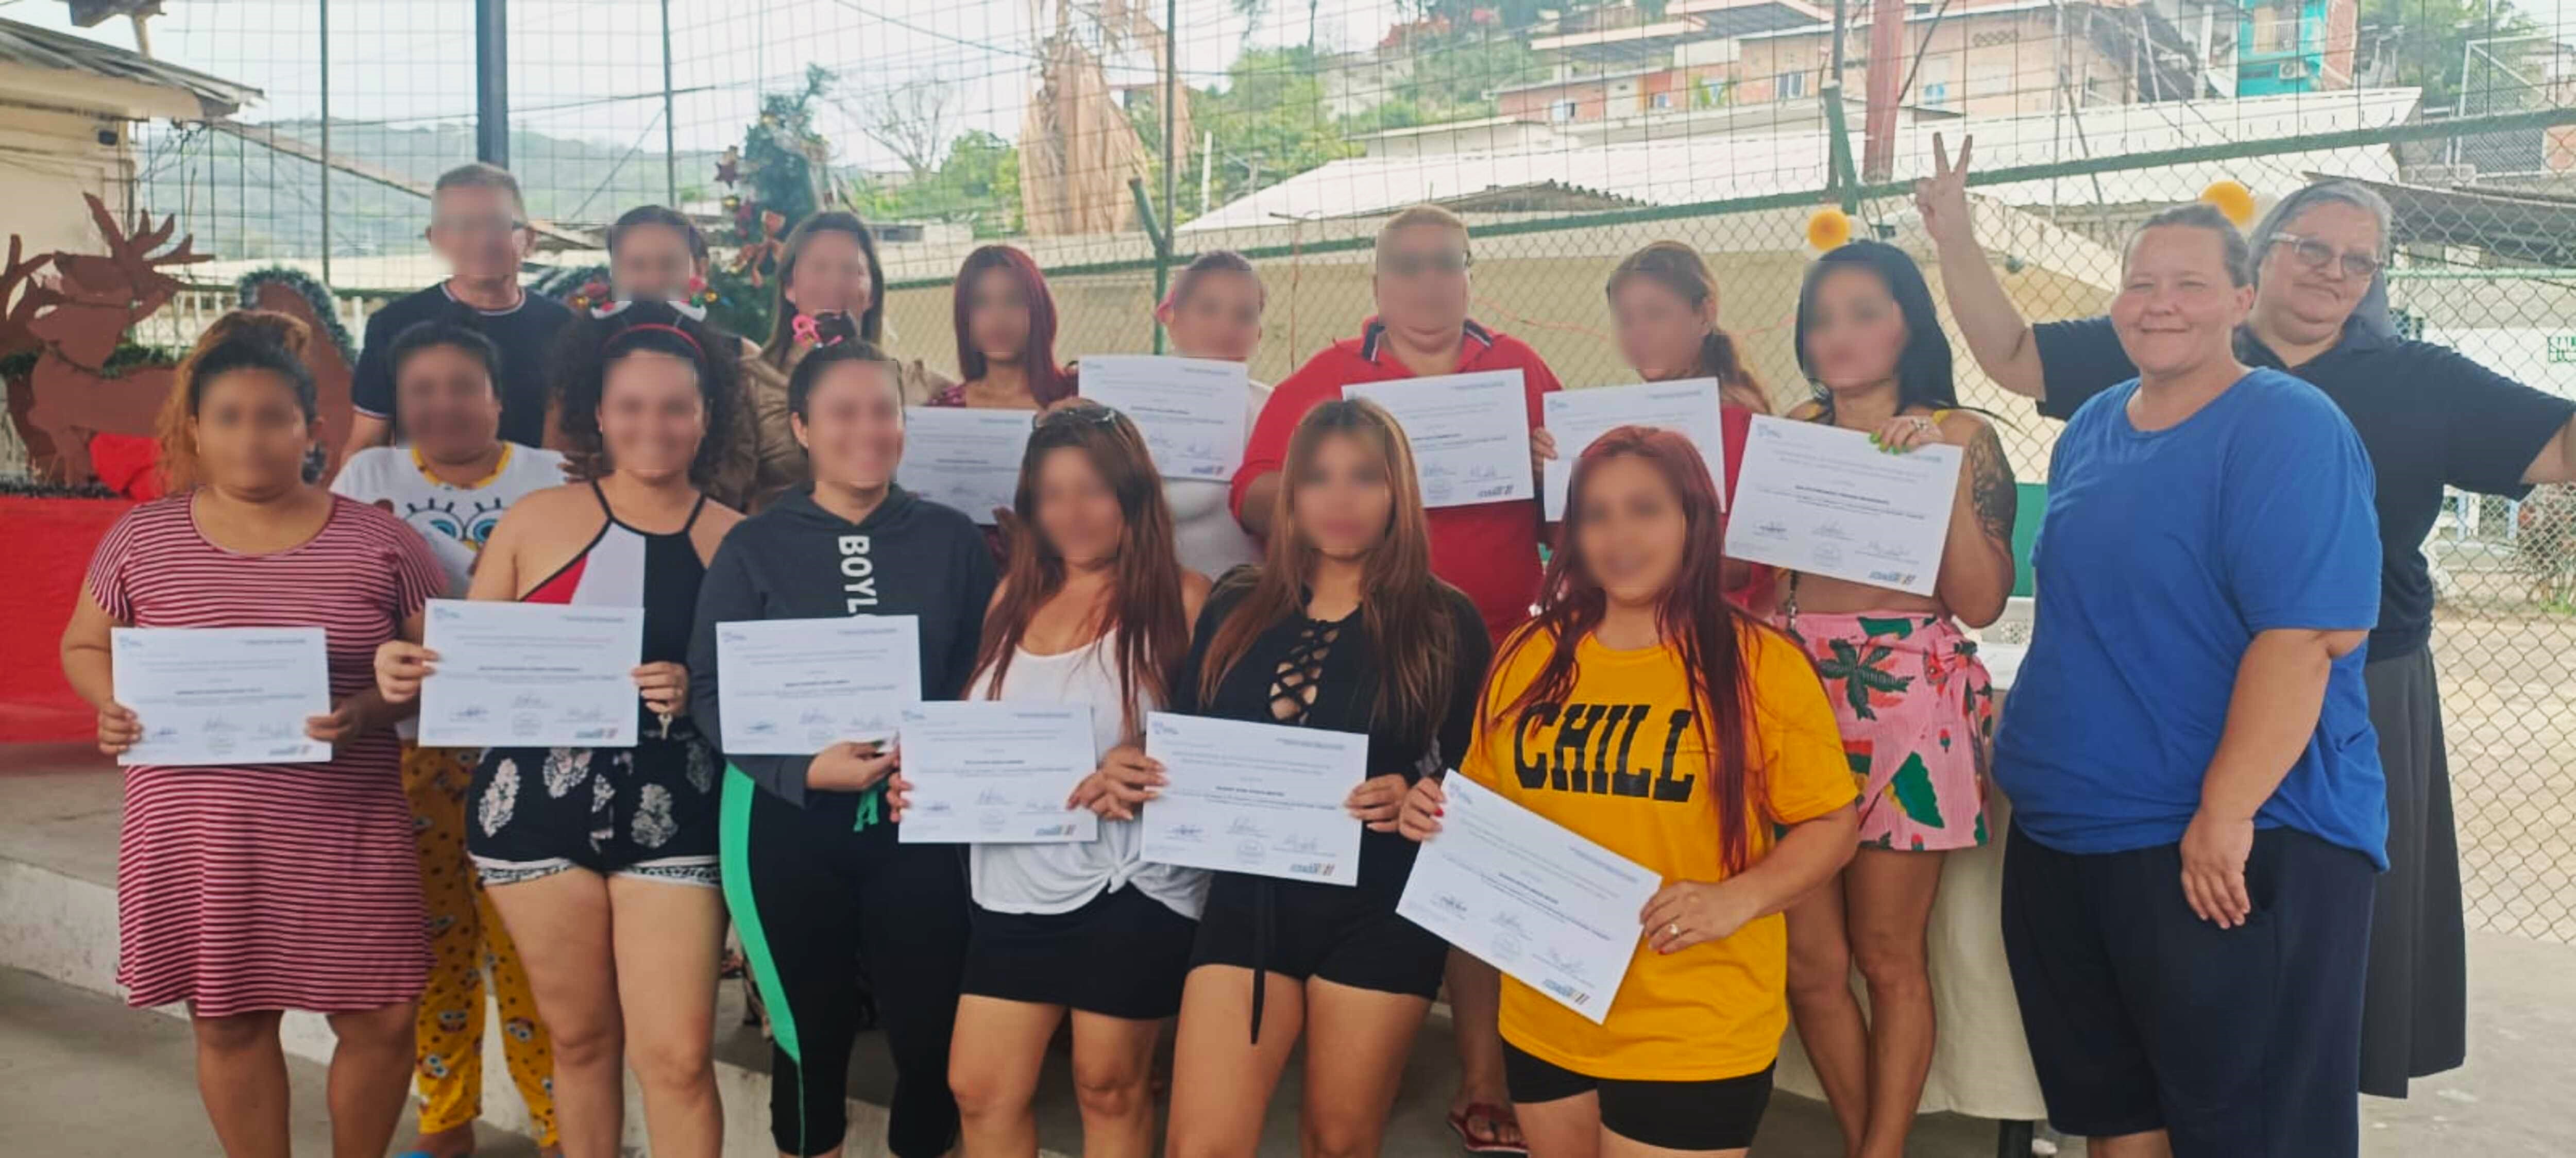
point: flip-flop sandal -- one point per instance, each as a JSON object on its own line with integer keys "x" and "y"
{"x": 1489, "y": 1115}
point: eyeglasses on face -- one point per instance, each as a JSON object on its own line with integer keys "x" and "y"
{"x": 1415, "y": 263}
{"x": 478, "y": 226}
{"x": 2317, "y": 254}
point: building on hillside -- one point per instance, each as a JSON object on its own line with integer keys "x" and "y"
{"x": 68, "y": 107}
{"x": 1980, "y": 57}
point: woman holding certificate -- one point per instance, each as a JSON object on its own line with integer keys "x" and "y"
{"x": 603, "y": 861}
{"x": 1916, "y": 706}
{"x": 1095, "y": 611}
{"x": 1214, "y": 311}
{"x": 814, "y": 873}
{"x": 1005, "y": 322}
{"x": 246, "y": 890}
{"x": 1344, "y": 629}
{"x": 1727, "y": 779}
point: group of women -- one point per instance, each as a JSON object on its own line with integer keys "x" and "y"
{"x": 2199, "y": 803}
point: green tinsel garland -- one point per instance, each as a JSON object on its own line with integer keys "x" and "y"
{"x": 325, "y": 304}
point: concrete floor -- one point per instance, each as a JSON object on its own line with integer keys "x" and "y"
{"x": 82, "y": 1075}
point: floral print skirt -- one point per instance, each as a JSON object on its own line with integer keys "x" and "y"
{"x": 647, "y": 811}
{"x": 1917, "y": 712}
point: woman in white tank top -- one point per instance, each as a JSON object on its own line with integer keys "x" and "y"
{"x": 1095, "y": 610}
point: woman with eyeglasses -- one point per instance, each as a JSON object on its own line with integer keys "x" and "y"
{"x": 2429, "y": 418}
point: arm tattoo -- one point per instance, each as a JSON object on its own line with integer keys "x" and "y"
{"x": 1990, "y": 485}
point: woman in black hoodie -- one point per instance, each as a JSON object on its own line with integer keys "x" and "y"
{"x": 814, "y": 876}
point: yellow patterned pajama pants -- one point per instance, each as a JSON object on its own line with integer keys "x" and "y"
{"x": 466, "y": 940}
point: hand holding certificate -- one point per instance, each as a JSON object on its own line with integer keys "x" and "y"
{"x": 531, "y": 675}
{"x": 1828, "y": 501}
{"x": 1192, "y": 411}
{"x": 1470, "y": 433}
{"x": 995, "y": 772}
{"x": 1556, "y": 911}
{"x": 222, "y": 695}
{"x": 964, "y": 457}
{"x": 793, "y": 687}
{"x": 1255, "y": 798}
{"x": 1577, "y": 417}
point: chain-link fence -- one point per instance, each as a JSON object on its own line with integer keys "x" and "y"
{"x": 1113, "y": 138}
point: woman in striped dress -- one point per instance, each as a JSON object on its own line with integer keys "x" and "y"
{"x": 246, "y": 891}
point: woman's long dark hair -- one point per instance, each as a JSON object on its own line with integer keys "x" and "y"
{"x": 1402, "y": 605}
{"x": 1144, "y": 608}
{"x": 1679, "y": 269}
{"x": 1923, "y": 373}
{"x": 1049, "y": 381}
{"x": 782, "y": 313}
{"x": 1695, "y": 618}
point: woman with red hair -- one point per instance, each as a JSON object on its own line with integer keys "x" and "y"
{"x": 1729, "y": 784}
{"x": 1005, "y": 335}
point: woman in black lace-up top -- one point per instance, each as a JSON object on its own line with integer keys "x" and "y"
{"x": 1343, "y": 628}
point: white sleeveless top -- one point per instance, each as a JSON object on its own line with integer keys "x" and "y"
{"x": 1059, "y": 878}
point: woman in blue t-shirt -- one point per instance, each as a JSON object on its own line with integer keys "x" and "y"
{"x": 2199, "y": 810}
{"x": 2429, "y": 419}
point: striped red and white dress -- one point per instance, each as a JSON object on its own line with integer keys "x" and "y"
{"x": 271, "y": 886}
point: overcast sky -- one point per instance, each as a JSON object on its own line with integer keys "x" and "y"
{"x": 411, "y": 61}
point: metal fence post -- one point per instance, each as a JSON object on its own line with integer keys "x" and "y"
{"x": 670, "y": 123}
{"x": 323, "y": 9}
{"x": 492, "y": 82}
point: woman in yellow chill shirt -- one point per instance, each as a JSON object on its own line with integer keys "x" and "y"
{"x": 1642, "y": 711}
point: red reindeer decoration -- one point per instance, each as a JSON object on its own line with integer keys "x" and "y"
{"x": 74, "y": 320}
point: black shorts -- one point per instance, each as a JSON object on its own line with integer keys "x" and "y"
{"x": 1348, "y": 936}
{"x": 2242, "y": 1042}
{"x": 1711, "y": 1115}
{"x": 1122, "y": 954}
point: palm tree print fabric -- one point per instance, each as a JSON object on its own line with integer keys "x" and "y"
{"x": 1917, "y": 712}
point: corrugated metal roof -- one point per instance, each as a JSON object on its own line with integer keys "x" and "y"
{"x": 33, "y": 47}
{"x": 1719, "y": 166}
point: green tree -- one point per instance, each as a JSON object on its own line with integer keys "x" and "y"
{"x": 1268, "y": 121}
{"x": 2427, "y": 40}
{"x": 977, "y": 183}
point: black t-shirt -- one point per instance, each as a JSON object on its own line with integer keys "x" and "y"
{"x": 2428, "y": 416}
{"x": 525, "y": 334}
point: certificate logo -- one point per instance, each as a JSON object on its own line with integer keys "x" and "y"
{"x": 1054, "y": 830}
{"x": 1892, "y": 578}
{"x": 1566, "y": 992}
{"x": 601, "y": 732}
{"x": 1321, "y": 869}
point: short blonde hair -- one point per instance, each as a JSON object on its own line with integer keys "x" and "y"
{"x": 1424, "y": 214}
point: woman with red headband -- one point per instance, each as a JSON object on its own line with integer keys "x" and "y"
{"x": 603, "y": 862}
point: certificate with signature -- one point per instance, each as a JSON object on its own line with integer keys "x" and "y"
{"x": 1827, "y": 501}
{"x": 531, "y": 675}
{"x": 1531, "y": 898}
{"x": 222, "y": 695}
{"x": 1470, "y": 433}
{"x": 964, "y": 457}
{"x": 1192, "y": 411}
{"x": 1255, "y": 798}
{"x": 1577, "y": 417}
{"x": 996, "y": 772}
{"x": 793, "y": 687}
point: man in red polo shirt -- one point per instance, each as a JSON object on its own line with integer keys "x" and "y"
{"x": 1489, "y": 550}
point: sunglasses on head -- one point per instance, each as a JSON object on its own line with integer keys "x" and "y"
{"x": 1087, "y": 413}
